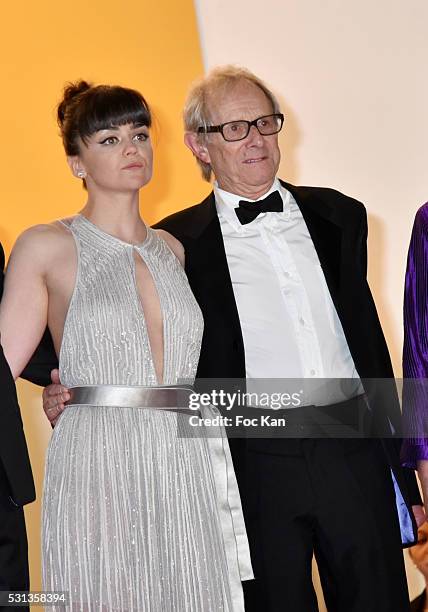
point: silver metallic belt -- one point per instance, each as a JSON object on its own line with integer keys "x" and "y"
{"x": 174, "y": 398}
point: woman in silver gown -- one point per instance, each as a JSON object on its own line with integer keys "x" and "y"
{"x": 140, "y": 511}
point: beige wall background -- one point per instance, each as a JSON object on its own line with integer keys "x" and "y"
{"x": 351, "y": 76}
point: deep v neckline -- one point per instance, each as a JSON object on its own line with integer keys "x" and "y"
{"x": 143, "y": 252}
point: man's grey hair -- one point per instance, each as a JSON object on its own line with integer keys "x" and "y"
{"x": 219, "y": 81}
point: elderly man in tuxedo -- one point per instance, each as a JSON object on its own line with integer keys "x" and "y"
{"x": 16, "y": 483}
{"x": 280, "y": 275}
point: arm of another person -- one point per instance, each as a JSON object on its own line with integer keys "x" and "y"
{"x": 415, "y": 351}
{"x": 408, "y": 474}
{"x": 24, "y": 307}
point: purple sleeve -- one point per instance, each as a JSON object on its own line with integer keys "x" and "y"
{"x": 415, "y": 351}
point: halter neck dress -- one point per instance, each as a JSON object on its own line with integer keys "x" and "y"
{"x": 134, "y": 517}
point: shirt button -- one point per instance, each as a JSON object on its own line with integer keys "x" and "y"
{"x": 287, "y": 274}
{"x": 301, "y": 321}
{"x": 312, "y": 372}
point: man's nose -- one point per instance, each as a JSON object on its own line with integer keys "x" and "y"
{"x": 254, "y": 137}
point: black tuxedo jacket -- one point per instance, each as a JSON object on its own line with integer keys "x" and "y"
{"x": 418, "y": 604}
{"x": 18, "y": 482}
{"x": 338, "y": 228}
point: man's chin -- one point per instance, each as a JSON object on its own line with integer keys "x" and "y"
{"x": 260, "y": 179}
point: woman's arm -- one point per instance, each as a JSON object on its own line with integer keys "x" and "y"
{"x": 24, "y": 307}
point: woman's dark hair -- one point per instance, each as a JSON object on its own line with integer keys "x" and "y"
{"x": 86, "y": 108}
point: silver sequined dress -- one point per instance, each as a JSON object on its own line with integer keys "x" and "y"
{"x": 130, "y": 514}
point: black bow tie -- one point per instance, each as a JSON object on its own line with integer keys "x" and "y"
{"x": 248, "y": 211}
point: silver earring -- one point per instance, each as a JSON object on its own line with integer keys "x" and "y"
{"x": 81, "y": 174}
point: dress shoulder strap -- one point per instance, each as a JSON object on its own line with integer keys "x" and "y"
{"x": 68, "y": 221}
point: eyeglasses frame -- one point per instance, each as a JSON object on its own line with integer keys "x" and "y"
{"x": 219, "y": 128}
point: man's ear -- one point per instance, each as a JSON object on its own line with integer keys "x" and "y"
{"x": 76, "y": 166}
{"x": 197, "y": 146}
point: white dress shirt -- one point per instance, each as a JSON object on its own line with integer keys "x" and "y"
{"x": 289, "y": 324}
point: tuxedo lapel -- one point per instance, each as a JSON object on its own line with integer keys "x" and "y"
{"x": 325, "y": 231}
{"x": 206, "y": 265}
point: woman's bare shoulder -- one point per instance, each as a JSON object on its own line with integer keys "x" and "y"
{"x": 42, "y": 240}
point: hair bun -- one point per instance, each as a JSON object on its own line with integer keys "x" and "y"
{"x": 71, "y": 91}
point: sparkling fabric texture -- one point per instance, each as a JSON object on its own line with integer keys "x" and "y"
{"x": 129, "y": 510}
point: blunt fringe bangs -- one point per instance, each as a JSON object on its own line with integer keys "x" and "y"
{"x": 87, "y": 109}
{"x": 109, "y": 107}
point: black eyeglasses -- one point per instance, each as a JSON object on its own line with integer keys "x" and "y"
{"x": 238, "y": 130}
